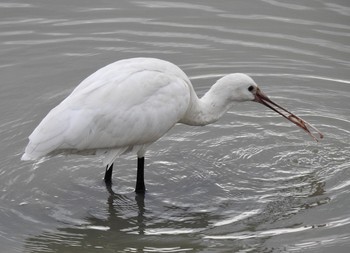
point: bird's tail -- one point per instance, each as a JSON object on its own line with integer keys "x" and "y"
{"x": 27, "y": 157}
{"x": 47, "y": 136}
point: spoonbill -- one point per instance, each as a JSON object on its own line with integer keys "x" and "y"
{"x": 129, "y": 104}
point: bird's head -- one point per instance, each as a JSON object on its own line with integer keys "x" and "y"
{"x": 241, "y": 87}
{"x": 237, "y": 87}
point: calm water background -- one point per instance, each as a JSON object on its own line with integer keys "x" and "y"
{"x": 252, "y": 182}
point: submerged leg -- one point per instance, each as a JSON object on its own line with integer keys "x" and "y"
{"x": 108, "y": 174}
{"x": 140, "y": 181}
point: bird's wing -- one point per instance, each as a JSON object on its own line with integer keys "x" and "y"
{"x": 112, "y": 111}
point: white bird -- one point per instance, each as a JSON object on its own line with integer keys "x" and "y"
{"x": 129, "y": 104}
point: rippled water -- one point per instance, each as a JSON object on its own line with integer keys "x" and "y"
{"x": 252, "y": 182}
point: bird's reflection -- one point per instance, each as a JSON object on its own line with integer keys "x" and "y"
{"x": 124, "y": 216}
{"x": 117, "y": 202}
{"x": 122, "y": 227}
{"x": 134, "y": 222}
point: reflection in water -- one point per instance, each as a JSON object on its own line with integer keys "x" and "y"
{"x": 251, "y": 182}
{"x": 121, "y": 228}
{"x": 118, "y": 204}
{"x": 128, "y": 225}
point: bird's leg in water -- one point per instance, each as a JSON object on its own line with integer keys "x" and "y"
{"x": 108, "y": 174}
{"x": 140, "y": 181}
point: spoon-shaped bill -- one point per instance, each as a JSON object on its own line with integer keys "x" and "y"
{"x": 261, "y": 98}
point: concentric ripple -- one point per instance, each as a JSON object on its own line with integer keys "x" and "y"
{"x": 251, "y": 182}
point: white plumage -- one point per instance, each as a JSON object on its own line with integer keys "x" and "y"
{"x": 129, "y": 104}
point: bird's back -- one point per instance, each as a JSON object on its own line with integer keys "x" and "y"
{"x": 127, "y": 103}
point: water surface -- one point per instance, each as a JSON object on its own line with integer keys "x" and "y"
{"x": 251, "y": 182}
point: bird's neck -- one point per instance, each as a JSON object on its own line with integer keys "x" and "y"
{"x": 205, "y": 110}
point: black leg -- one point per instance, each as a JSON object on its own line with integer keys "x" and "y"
{"x": 140, "y": 181}
{"x": 108, "y": 175}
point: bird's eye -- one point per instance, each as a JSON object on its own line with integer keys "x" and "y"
{"x": 251, "y": 88}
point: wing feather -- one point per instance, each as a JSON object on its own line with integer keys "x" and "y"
{"x": 121, "y": 105}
